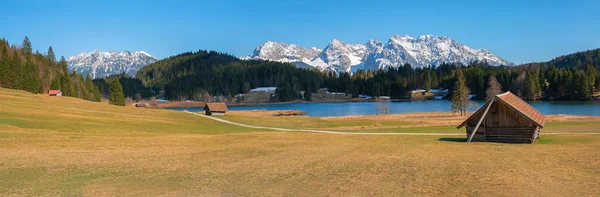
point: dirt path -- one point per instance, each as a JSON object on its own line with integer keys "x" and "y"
{"x": 317, "y": 131}
{"x": 353, "y": 133}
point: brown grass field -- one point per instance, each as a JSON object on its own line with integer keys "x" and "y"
{"x": 60, "y": 146}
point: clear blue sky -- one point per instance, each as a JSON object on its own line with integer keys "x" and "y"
{"x": 520, "y": 31}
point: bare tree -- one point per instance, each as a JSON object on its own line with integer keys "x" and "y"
{"x": 494, "y": 88}
{"x": 382, "y": 106}
{"x": 460, "y": 95}
{"x": 128, "y": 101}
{"x": 138, "y": 97}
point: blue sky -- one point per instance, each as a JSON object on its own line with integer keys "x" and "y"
{"x": 520, "y": 31}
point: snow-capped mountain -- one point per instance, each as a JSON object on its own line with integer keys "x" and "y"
{"x": 101, "y": 64}
{"x": 343, "y": 57}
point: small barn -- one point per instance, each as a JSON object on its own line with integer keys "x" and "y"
{"x": 505, "y": 118}
{"x": 140, "y": 105}
{"x": 215, "y": 109}
{"x": 54, "y": 93}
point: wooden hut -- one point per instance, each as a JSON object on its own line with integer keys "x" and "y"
{"x": 215, "y": 109}
{"x": 505, "y": 118}
{"x": 140, "y": 105}
{"x": 54, "y": 93}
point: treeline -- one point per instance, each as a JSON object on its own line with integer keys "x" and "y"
{"x": 23, "y": 69}
{"x": 197, "y": 75}
{"x": 131, "y": 87}
{"x": 544, "y": 81}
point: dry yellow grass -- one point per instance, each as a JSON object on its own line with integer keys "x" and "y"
{"x": 93, "y": 149}
{"x": 410, "y": 122}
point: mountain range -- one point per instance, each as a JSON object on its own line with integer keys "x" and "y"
{"x": 101, "y": 64}
{"x": 339, "y": 56}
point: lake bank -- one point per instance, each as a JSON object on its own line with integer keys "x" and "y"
{"x": 590, "y": 108}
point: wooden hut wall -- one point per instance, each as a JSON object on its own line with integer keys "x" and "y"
{"x": 501, "y": 115}
{"x": 503, "y": 123}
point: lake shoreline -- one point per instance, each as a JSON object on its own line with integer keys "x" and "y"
{"x": 325, "y": 109}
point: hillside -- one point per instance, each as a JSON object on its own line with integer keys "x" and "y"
{"x": 198, "y": 75}
{"x": 579, "y": 60}
{"x": 21, "y": 68}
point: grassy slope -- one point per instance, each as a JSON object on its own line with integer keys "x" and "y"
{"x": 64, "y": 146}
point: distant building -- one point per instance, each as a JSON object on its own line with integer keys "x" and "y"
{"x": 54, "y": 93}
{"x": 384, "y": 98}
{"x": 215, "y": 109}
{"x": 505, "y": 118}
{"x": 264, "y": 89}
{"x": 140, "y": 105}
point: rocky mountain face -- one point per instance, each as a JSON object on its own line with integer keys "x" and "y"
{"x": 101, "y": 64}
{"x": 338, "y": 56}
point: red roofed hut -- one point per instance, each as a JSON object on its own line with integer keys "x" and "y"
{"x": 54, "y": 93}
{"x": 215, "y": 109}
{"x": 505, "y": 118}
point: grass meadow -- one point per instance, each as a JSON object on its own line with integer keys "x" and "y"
{"x": 59, "y": 146}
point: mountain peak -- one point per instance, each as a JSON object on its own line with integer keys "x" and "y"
{"x": 339, "y": 56}
{"x": 101, "y": 64}
{"x": 425, "y": 37}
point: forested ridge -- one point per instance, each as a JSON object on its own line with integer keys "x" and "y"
{"x": 194, "y": 74}
{"x": 23, "y": 69}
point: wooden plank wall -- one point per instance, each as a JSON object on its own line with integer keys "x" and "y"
{"x": 503, "y": 124}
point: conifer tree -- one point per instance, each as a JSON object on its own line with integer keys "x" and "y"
{"x": 16, "y": 73}
{"x": 27, "y": 46}
{"x": 532, "y": 86}
{"x": 427, "y": 81}
{"x": 590, "y": 73}
{"x": 116, "y": 96}
{"x": 65, "y": 85}
{"x": 55, "y": 85}
{"x": 3, "y": 65}
{"x": 307, "y": 95}
{"x": 51, "y": 57}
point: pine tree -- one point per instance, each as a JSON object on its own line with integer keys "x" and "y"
{"x": 307, "y": 95}
{"x": 4, "y": 69}
{"x": 434, "y": 80}
{"x": 116, "y": 96}
{"x": 51, "y": 57}
{"x": 533, "y": 86}
{"x": 590, "y": 73}
{"x": 17, "y": 72}
{"x": 460, "y": 96}
{"x": 65, "y": 85}
{"x": 27, "y": 46}
{"x": 494, "y": 88}
{"x": 55, "y": 85}
{"x": 427, "y": 81}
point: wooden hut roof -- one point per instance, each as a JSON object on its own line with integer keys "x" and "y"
{"x": 221, "y": 107}
{"x": 53, "y": 91}
{"x": 515, "y": 103}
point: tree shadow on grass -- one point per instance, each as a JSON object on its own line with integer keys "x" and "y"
{"x": 453, "y": 139}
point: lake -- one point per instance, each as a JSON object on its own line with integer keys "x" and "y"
{"x": 368, "y": 108}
